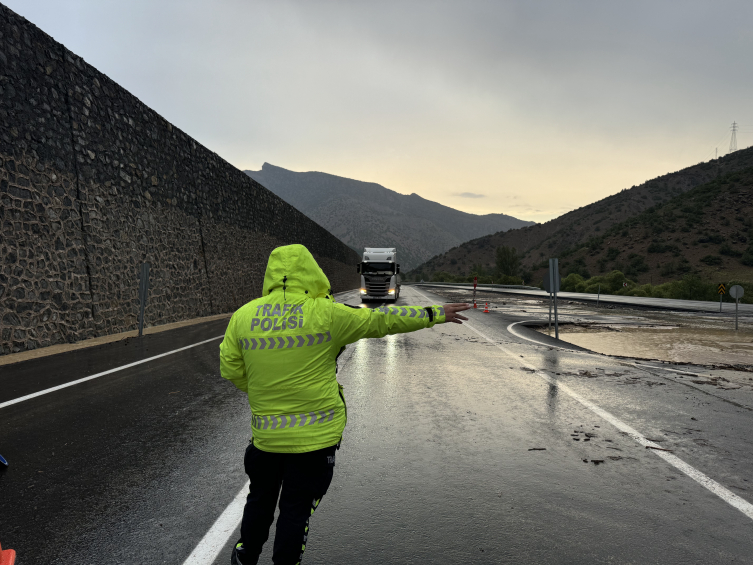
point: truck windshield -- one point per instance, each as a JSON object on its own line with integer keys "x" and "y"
{"x": 377, "y": 267}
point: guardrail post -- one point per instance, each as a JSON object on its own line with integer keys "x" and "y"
{"x": 143, "y": 294}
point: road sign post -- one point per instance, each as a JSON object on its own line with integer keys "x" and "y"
{"x": 552, "y": 286}
{"x": 721, "y": 289}
{"x": 737, "y": 293}
{"x": 552, "y": 282}
{"x": 556, "y": 277}
{"x": 598, "y": 295}
{"x": 143, "y": 294}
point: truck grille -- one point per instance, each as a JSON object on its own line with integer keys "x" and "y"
{"x": 377, "y": 288}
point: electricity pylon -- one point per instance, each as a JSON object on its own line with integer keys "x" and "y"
{"x": 733, "y": 140}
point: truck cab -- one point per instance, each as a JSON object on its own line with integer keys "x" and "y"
{"x": 380, "y": 274}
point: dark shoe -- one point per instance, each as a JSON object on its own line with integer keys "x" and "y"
{"x": 238, "y": 554}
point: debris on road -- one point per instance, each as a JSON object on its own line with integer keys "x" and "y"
{"x": 597, "y": 461}
{"x": 537, "y": 449}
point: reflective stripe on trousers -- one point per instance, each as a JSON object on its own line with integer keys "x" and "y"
{"x": 291, "y": 420}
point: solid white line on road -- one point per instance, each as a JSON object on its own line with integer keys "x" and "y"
{"x": 642, "y": 365}
{"x": 207, "y": 550}
{"x": 725, "y": 494}
{"x": 516, "y": 334}
{"x": 102, "y": 374}
{"x": 722, "y": 492}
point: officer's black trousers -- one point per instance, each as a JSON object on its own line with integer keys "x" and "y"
{"x": 304, "y": 479}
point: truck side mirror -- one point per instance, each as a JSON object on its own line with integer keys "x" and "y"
{"x": 358, "y": 269}
{"x": 398, "y": 270}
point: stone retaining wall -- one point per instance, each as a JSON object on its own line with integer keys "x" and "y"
{"x": 93, "y": 183}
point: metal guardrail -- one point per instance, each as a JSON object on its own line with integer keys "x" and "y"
{"x": 487, "y": 285}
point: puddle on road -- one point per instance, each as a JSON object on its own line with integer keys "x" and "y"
{"x": 677, "y": 344}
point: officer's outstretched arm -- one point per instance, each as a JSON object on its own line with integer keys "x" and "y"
{"x": 232, "y": 366}
{"x": 351, "y": 324}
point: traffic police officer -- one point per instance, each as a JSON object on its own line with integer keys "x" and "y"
{"x": 281, "y": 349}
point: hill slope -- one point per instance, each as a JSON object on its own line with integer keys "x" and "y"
{"x": 366, "y": 214}
{"x": 575, "y": 228}
{"x": 707, "y": 231}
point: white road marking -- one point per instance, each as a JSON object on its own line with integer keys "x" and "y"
{"x": 207, "y": 550}
{"x": 722, "y": 492}
{"x": 516, "y": 334}
{"x": 102, "y": 374}
{"x": 642, "y": 365}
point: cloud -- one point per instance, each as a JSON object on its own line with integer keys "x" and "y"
{"x": 556, "y": 102}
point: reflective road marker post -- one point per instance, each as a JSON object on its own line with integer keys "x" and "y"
{"x": 475, "y": 281}
{"x": 143, "y": 293}
{"x": 737, "y": 293}
{"x": 721, "y": 290}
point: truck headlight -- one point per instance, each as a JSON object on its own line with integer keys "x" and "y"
{"x": 363, "y": 291}
{"x": 392, "y": 292}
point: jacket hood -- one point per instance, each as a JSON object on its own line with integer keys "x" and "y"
{"x": 292, "y": 268}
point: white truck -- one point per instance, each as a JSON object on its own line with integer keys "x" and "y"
{"x": 380, "y": 274}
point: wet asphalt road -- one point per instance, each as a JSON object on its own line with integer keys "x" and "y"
{"x": 436, "y": 465}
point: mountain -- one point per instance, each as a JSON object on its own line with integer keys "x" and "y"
{"x": 707, "y": 231}
{"x": 366, "y": 214}
{"x": 571, "y": 231}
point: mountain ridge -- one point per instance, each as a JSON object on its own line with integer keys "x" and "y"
{"x": 575, "y": 228}
{"x": 367, "y": 214}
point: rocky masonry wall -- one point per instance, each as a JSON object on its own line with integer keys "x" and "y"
{"x": 93, "y": 183}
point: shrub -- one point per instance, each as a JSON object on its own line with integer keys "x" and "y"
{"x": 578, "y": 266}
{"x": 712, "y": 260}
{"x": 570, "y": 282}
{"x": 657, "y": 247}
{"x": 637, "y": 264}
{"x": 508, "y": 262}
{"x": 612, "y": 253}
{"x": 726, "y": 249}
{"x": 507, "y": 279}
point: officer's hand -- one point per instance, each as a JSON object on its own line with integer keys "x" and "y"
{"x": 451, "y": 312}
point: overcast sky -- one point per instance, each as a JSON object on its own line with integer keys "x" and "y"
{"x": 529, "y": 108}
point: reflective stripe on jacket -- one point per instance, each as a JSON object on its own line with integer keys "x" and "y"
{"x": 281, "y": 349}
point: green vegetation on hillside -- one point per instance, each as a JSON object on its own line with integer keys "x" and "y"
{"x": 698, "y": 232}
{"x": 690, "y": 287}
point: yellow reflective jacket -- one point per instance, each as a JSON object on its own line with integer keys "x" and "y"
{"x": 281, "y": 349}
